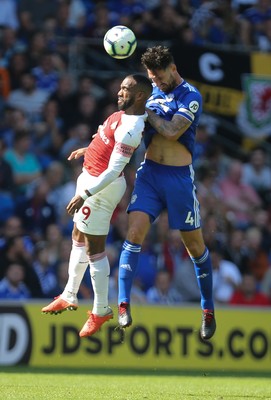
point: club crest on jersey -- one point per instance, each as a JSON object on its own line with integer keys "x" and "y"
{"x": 193, "y": 106}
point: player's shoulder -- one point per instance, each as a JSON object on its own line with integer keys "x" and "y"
{"x": 188, "y": 94}
{"x": 188, "y": 88}
{"x": 130, "y": 130}
{"x": 116, "y": 116}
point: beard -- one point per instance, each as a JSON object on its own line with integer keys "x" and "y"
{"x": 126, "y": 104}
{"x": 172, "y": 84}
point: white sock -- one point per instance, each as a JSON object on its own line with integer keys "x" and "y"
{"x": 99, "y": 273}
{"x": 77, "y": 267}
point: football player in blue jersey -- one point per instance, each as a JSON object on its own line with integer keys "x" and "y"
{"x": 165, "y": 180}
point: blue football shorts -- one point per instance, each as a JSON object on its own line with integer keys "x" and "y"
{"x": 159, "y": 187}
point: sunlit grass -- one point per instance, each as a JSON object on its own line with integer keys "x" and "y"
{"x": 41, "y": 384}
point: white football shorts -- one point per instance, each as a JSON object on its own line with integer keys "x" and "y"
{"x": 95, "y": 215}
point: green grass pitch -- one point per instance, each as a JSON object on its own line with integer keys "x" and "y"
{"x": 63, "y": 384}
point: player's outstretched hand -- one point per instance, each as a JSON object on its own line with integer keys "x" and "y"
{"x": 75, "y": 204}
{"x": 77, "y": 153}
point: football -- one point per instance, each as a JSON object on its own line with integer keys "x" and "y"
{"x": 120, "y": 42}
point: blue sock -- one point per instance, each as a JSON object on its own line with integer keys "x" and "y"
{"x": 127, "y": 269}
{"x": 203, "y": 270}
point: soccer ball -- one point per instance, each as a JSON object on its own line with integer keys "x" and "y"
{"x": 120, "y": 42}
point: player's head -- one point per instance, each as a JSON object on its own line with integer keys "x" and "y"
{"x": 134, "y": 91}
{"x": 161, "y": 68}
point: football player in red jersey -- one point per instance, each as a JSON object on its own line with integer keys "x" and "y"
{"x": 99, "y": 189}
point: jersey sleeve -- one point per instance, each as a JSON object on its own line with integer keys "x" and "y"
{"x": 191, "y": 106}
{"x": 127, "y": 138}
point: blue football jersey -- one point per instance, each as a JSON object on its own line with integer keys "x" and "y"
{"x": 184, "y": 100}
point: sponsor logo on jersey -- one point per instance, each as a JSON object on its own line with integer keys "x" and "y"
{"x": 193, "y": 106}
{"x": 103, "y": 135}
{"x": 124, "y": 150}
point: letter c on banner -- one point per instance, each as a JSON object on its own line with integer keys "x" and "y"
{"x": 209, "y": 64}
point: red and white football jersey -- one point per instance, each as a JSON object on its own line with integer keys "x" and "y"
{"x": 121, "y": 134}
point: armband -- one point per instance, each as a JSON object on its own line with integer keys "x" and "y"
{"x": 85, "y": 195}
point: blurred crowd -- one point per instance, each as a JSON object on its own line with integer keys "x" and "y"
{"x": 47, "y": 111}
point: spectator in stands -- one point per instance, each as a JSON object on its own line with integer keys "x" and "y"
{"x": 63, "y": 95}
{"x": 55, "y": 177}
{"x": 264, "y": 40}
{"x": 226, "y": 277}
{"x": 77, "y": 15}
{"x": 218, "y": 159}
{"x": 9, "y": 45}
{"x": 248, "y": 294}
{"x": 100, "y": 20}
{"x": 239, "y": 199}
{"x": 24, "y": 163}
{"x": 86, "y": 86}
{"x": 236, "y": 249}
{"x": 53, "y": 239}
{"x": 162, "y": 292}
{"x": 15, "y": 252}
{"x": 7, "y": 186}
{"x": 15, "y": 120}
{"x": 207, "y": 24}
{"x": 28, "y": 97}
{"x": 12, "y": 286}
{"x": 252, "y": 22}
{"x": 215, "y": 226}
{"x": 45, "y": 269}
{"x": 208, "y": 190}
{"x": 80, "y": 135}
{"x": 64, "y": 31}
{"x": 258, "y": 262}
{"x": 257, "y": 173}
{"x": 203, "y": 140}
{"x": 26, "y": 27}
{"x": 48, "y": 134}
{"x": 37, "y": 46}
{"x": 46, "y": 74}
{"x": 165, "y": 22}
{"x": 262, "y": 221}
{"x": 18, "y": 65}
{"x": 12, "y": 228}
{"x": 35, "y": 210}
{"x": 60, "y": 194}
{"x": 37, "y": 10}
{"x": 86, "y": 112}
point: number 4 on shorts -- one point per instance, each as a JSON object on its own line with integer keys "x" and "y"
{"x": 189, "y": 218}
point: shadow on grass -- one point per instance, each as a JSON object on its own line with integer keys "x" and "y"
{"x": 23, "y": 369}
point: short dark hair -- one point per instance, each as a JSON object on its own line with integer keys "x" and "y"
{"x": 143, "y": 82}
{"x": 157, "y": 57}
